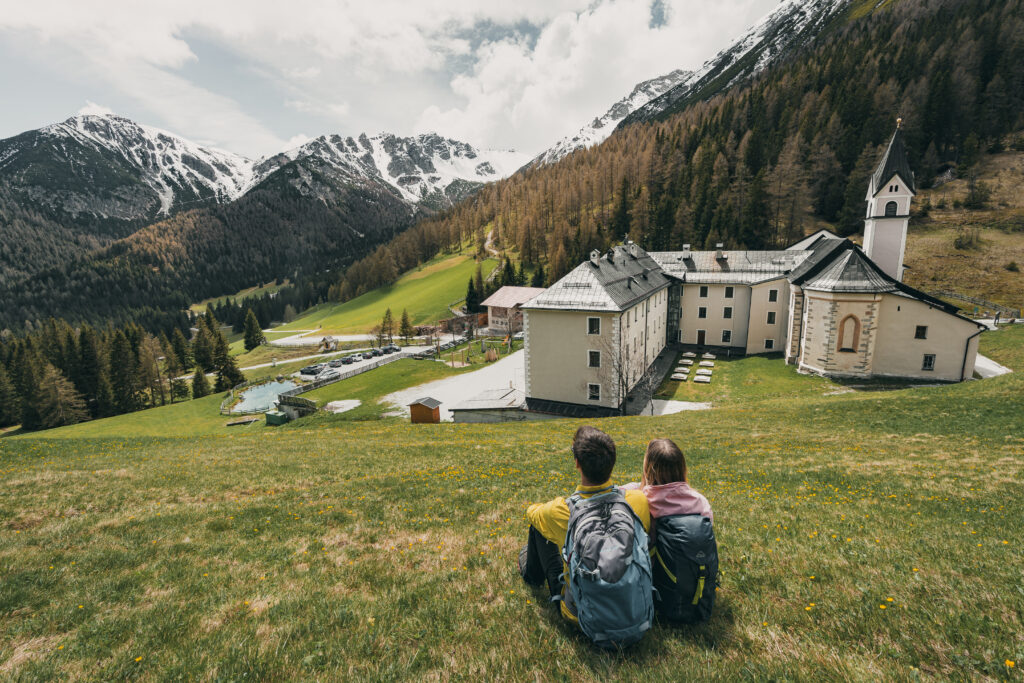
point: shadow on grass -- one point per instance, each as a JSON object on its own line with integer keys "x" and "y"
{"x": 604, "y": 663}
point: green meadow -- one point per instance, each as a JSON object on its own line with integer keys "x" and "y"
{"x": 424, "y": 292}
{"x": 863, "y": 536}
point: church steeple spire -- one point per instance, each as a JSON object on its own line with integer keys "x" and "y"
{"x": 890, "y": 193}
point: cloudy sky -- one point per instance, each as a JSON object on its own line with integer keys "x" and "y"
{"x": 259, "y": 76}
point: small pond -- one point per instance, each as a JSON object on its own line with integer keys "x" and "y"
{"x": 261, "y": 397}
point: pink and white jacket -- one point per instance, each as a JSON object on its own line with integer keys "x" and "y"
{"x": 676, "y": 498}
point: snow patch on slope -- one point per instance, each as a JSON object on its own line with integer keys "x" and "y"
{"x": 167, "y": 163}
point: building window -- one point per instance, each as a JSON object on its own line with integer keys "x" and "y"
{"x": 773, "y": 295}
{"x": 703, "y": 291}
{"x": 771, "y": 317}
{"x": 593, "y": 326}
{"x": 929, "y": 362}
{"x": 849, "y": 334}
{"x": 702, "y": 312}
{"x": 921, "y": 332}
{"x": 726, "y": 336}
{"x": 769, "y": 344}
{"x": 727, "y": 312}
{"x": 594, "y": 359}
{"x": 594, "y": 392}
{"x": 890, "y": 209}
{"x": 728, "y": 292}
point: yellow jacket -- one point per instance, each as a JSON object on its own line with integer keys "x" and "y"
{"x": 551, "y": 519}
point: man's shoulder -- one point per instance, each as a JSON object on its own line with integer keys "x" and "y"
{"x": 636, "y": 499}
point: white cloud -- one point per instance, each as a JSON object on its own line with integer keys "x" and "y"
{"x": 462, "y": 68}
{"x": 91, "y": 108}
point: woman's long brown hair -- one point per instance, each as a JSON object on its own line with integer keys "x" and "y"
{"x": 664, "y": 463}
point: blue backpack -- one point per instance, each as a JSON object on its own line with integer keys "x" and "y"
{"x": 609, "y": 569}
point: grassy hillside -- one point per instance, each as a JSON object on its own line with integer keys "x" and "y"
{"x": 864, "y": 536}
{"x": 425, "y": 292}
{"x": 989, "y": 264}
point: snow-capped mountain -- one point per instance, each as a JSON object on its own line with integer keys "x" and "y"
{"x": 790, "y": 25}
{"x": 111, "y": 167}
{"x": 601, "y": 127}
{"x": 424, "y": 170}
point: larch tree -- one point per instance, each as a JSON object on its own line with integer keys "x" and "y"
{"x": 58, "y": 402}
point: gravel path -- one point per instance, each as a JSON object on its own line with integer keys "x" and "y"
{"x": 509, "y": 371}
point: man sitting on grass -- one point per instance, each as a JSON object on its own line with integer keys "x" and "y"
{"x": 540, "y": 560}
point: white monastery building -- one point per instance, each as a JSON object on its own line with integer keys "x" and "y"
{"x": 829, "y": 306}
{"x": 504, "y": 308}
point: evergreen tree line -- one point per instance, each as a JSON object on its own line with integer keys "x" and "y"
{"x": 60, "y": 375}
{"x": 763, "y": 162}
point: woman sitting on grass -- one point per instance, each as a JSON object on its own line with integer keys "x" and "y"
{"x": 684, "y": 554}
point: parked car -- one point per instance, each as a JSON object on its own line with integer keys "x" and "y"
{"x": 313, "y": 370}
{"x": 391, "y": 348}
{"x": 328, "y": 374}
{"x": 518, "y": 336}
{"x": 376, "y": 352}
{"x": 356, "y": 357}
{"x": 348, "y": 360}
{"x": 336, "y": 363}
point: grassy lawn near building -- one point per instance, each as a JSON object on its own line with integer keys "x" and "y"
{"x": 866, "y": 536}
{"x": 739, "y": 380}
{"x": 425, "y": 293}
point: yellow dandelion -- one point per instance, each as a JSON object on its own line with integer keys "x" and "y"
{"x": 138, "y": 659}
{"x": 881, "y": 607}
{"x": 1010, "y": 664}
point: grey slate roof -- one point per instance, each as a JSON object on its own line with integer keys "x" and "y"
{"x": 427, "y": 402}
{"x": 850, "y": 272}
{"x": 809, "y": 241}
{"x": 738, "y": 267}
{"x": 893, "y": 163}
{"x": 613, "y": 282}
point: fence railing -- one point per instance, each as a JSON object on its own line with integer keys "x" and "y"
{"x": 1006, "y": 310}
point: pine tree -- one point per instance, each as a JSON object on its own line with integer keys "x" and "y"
{"x": 520, "y": 276}
{"x": 478, "y": 282}
{"x": 387, "y": 326}
{"x": 508, "y": 274}
{"x": 181, "y": 348}
{"x": 10, "y": 402}
{"x": 58, "y": 402}
{"x": 29, "y": 381}
{"x": 253, "y": 332}
{"x": 200, "y": 387}
{"x": 178, "y": 384}
{"x": 471, "y": 297}
{"x": 202, "y": 347}
{"x": 124, "y": 375}
{"x": 538, "y": 277}
{"x": 228, "y": 374}
{"x": 405, "y": 326}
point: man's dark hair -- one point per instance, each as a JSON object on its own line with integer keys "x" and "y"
{"x": 595, "y": 452}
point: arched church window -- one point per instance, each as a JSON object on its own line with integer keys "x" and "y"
{"x": 849, "y": 333}
{"x": 890, "y": 209}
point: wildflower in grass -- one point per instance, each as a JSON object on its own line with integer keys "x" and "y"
{"x": 1010, "y": 664}
{"x": 138, "y": 659}
{"x": 881, "y": 607}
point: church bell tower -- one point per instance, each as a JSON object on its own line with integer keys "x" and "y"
{"x": 890, "y": 193}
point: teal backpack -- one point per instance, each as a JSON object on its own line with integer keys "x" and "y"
{"x": 609, "y": 569}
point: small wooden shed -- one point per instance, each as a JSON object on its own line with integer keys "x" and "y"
{"x": 425, "y": 410}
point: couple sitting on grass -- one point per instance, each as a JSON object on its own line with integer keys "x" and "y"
{"x": 613, "y": 556}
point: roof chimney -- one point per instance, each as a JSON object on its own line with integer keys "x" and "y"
{"x": 634, "y": 250}
{"x": 686, "y": 252}
{"x": 611, "y": 255}
{"x": 595, "y": 257}
{"x": 719, "y": 254}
